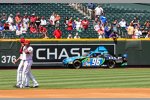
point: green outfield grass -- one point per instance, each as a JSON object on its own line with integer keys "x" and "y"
{"x": 83, "y": 78}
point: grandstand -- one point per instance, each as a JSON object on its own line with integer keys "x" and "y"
{"x": 112, "y": 12}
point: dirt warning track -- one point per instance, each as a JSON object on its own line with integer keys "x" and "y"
{"x": 77, "y": 93}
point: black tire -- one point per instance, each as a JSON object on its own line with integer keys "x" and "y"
{"x": 77, "y": 64}
{"x": 111, "y": 64}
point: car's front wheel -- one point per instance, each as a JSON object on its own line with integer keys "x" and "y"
{"x": 111, "y": 64}
{"x": 77, "y": 64}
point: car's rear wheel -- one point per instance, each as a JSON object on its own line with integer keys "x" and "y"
{"x": 77, "y": 64}
{"x": 111, "y": 64}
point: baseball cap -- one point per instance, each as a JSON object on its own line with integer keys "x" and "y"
{"x": 22, "y": 40}
{"x": 27, "y": 41}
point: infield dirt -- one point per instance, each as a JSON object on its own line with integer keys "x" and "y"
{"x": 77, "y": 93}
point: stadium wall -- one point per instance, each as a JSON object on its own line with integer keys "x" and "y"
{"x": 51, "y": 52}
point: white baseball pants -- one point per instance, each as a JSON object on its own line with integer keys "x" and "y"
{"x": 19, "y": 72}
{"x": 26, "y": 73}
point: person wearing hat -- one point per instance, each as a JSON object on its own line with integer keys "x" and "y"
{"x": 10, "y": 19}
{"x": 20, "y": 67}
{"x": 26, "y": 73}
{"x": 85, "y": 23}
{"x": 33, "y": 18}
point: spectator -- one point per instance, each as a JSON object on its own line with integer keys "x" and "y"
{"x": 103, "y": 19}
{"x": 122, "y": 23}
{"x": 26, "y": 21}
{"x": 10, "y": 19}
{"x": 98, "y": 11}
{"x": 1, "y": 27}
{"x": 33, "y": 29}
{"x": 85, "y": 23}
{"x": 3, "y": 18}
{"x": 37, "y": 23}
{"x": 57, "y": 19}
{"x": 147, "y": 24}
{"x": 77, "y": 36}
{"x": 70, "y": 27}
{"x": 66, "y": 21}
{"x": 57, "y": 33}
{"x": 74, "y": 24}
{"x": 78, "y": 25}
{"x": 95, "y": 21}
{"x": 130, "y": 30}
{"x": 18, "y": 19}
{"x": 91, "y": 7}
{"x": 148, "y": 34}
{"x": 33, "y": 19}
{"x": 69, "y": 36}
{"x": 18, "y": 31}
{"x": 101, "y": 32}
{"x": 23, "y": 29}
{"x": 114, "y": 35}
{"x": 43, "y": 30}
{"x": 115, "y": 26}
{"x": 43, "y": 21}
{"x": 97, "y": 26}
{"x": 107, "y": 31}
{"x": 135, "y": 22}
{"x": 52, "y": 19}
{"x": 146, "y": 28}
{"x": 6, "y": 26}
{"x": 137, "y": 33}
{"x": 12, "y": 27}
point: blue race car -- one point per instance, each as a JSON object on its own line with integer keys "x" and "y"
{"x": 98, "y": 58}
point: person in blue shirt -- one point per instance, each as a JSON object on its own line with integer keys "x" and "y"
{"x": 107, "y": 31}
{"x": 103, "y": 19}
{"x": 91, "y": 6}
{"x": 1, "y": 27}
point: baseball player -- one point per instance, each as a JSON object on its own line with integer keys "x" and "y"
{"x": 26, "y": 73}
{"x": 20, "y": 67}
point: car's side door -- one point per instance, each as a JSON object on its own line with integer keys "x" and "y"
{"x": 97, "y": 60}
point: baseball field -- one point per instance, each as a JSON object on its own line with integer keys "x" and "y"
{"x": 80, "y": 83}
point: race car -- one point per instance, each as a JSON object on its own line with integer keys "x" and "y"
{"x": 98, "y": 58}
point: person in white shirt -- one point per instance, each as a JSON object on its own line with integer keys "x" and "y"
{"x": 26, "y": 73}
{"x": 20, "y": 67}
{"x": 97, "y": 26}
{"x": 23, "y": 29}
{"x": 26, "y": 21}
{"x": 19, "y": 31}
{"x": 52, "y": 19}
{"x": 43, "y": 21}
{"x": 137, "y": 33}
{"x": 78, "y": 24}
{"x": 122, "y": 23}
{"x": 69, "y": 36}
{"x": 12, "y": 27}
{"x": 10, "y": 19}
{"x": 98, "y": 11}
{"x": 77, "y": 36}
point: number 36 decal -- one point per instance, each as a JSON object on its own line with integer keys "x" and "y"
{"x": 7, "y": 59}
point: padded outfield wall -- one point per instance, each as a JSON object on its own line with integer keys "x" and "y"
{"x": 51, "y": 52}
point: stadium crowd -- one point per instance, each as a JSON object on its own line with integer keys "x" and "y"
{"x": 35, "y": 24}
